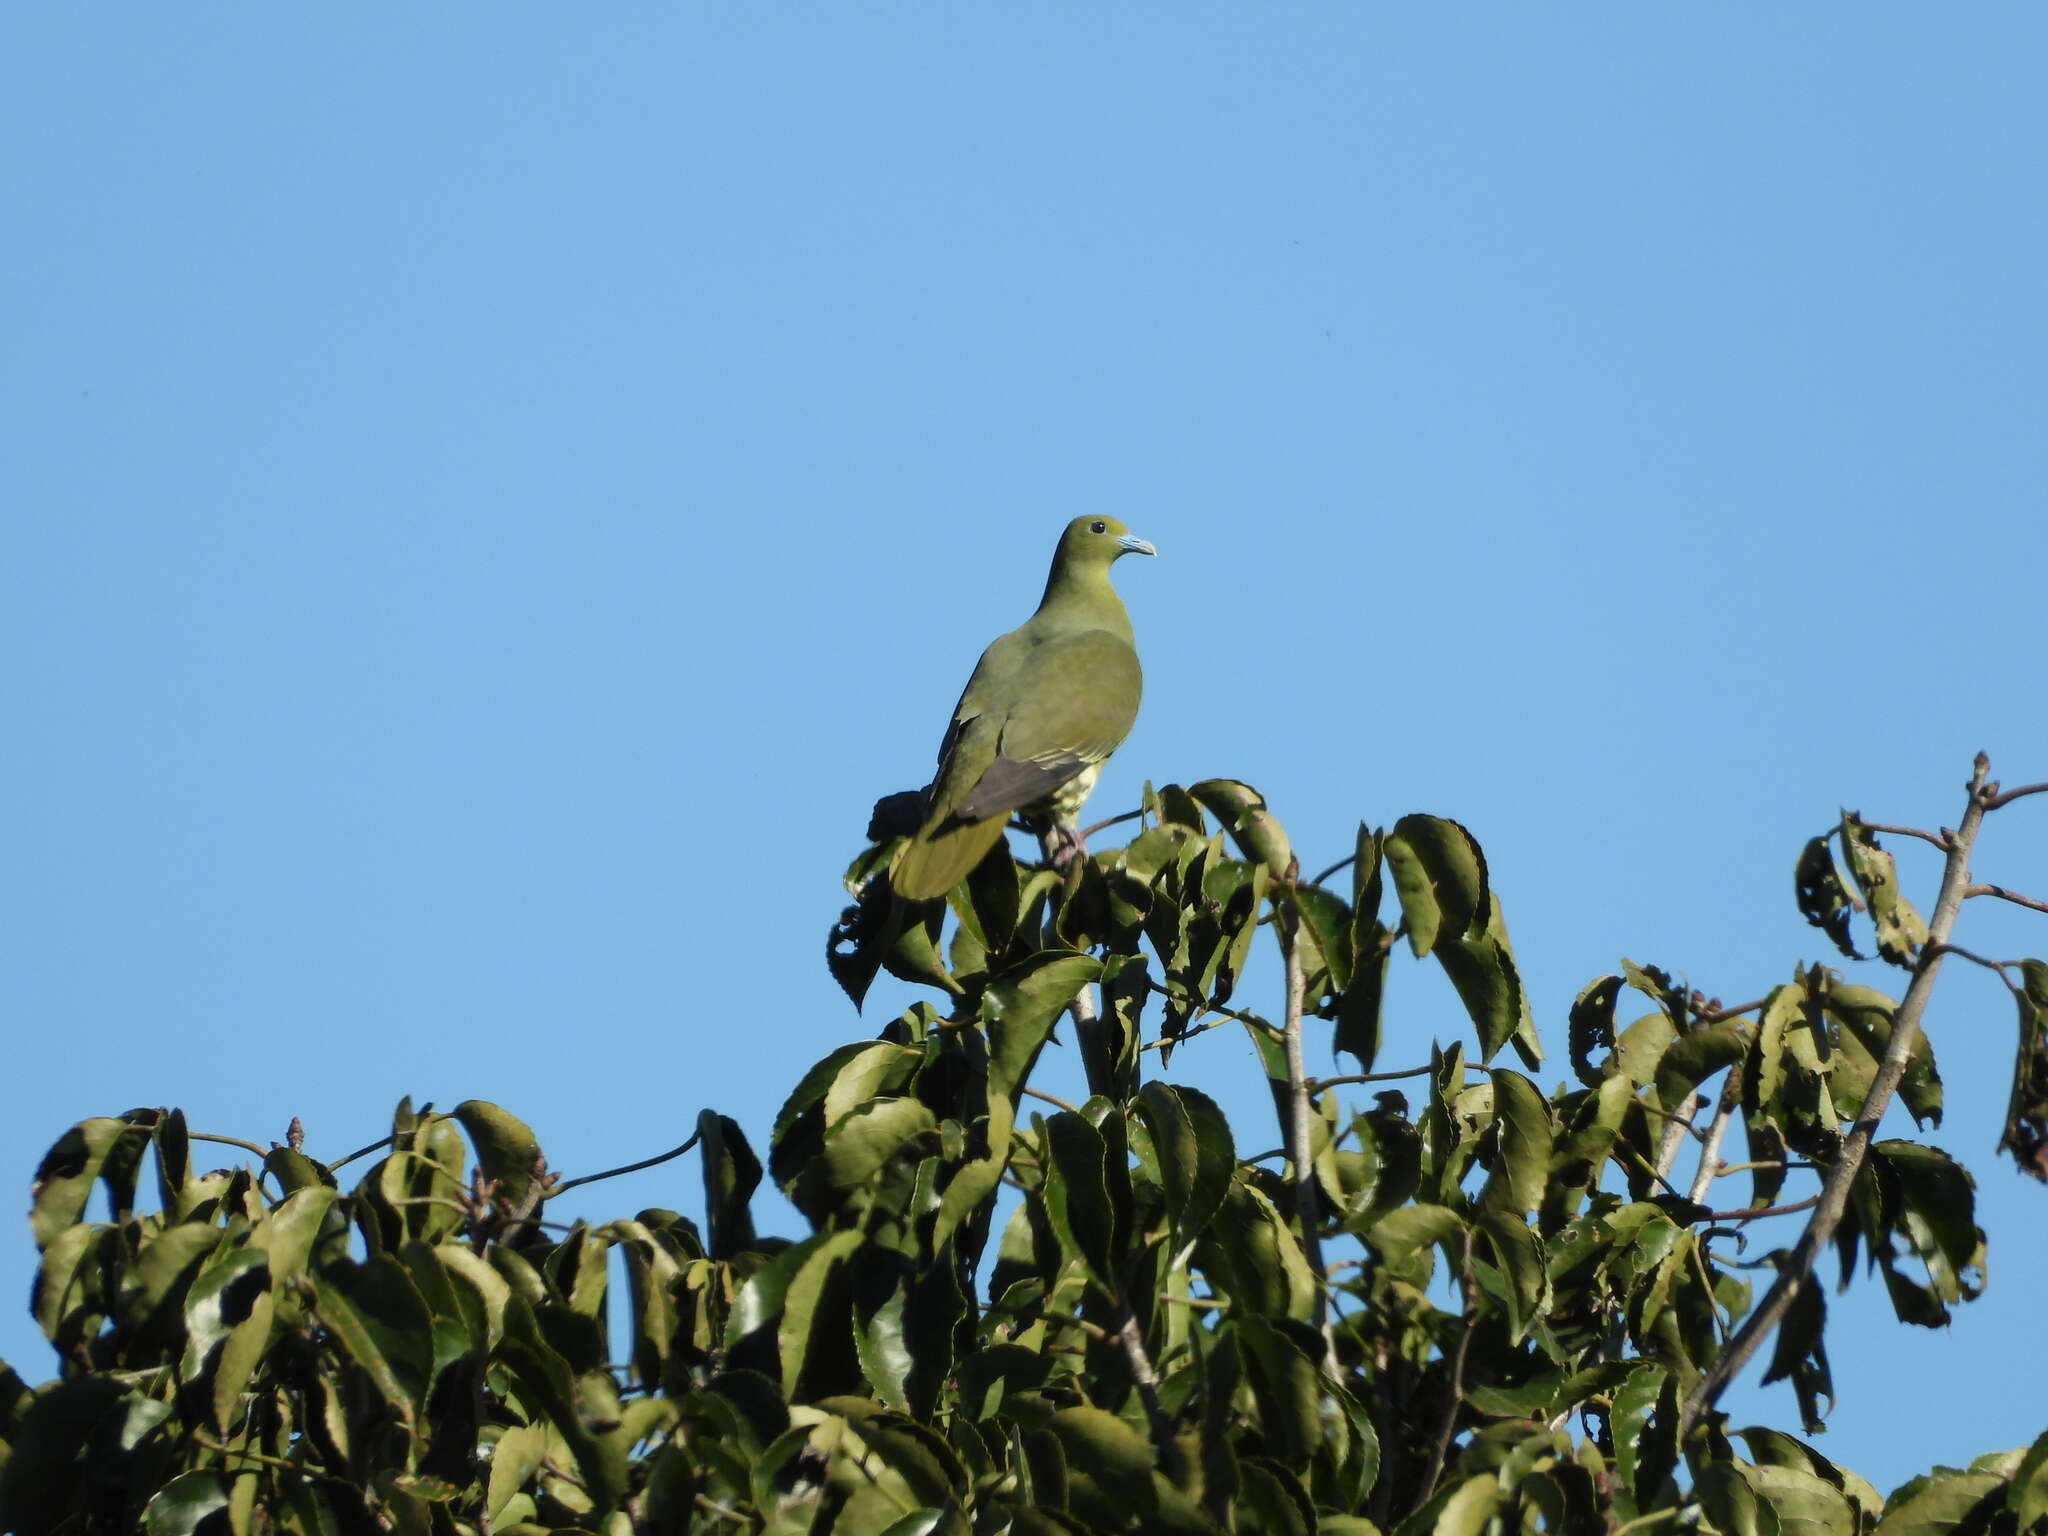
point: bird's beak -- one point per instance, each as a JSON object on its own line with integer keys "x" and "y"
{"x": 1131, "y": 544}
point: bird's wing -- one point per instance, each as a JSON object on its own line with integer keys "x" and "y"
{"x": 1073, "y": 702}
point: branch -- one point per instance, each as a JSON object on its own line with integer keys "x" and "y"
{"x": 1998, "y": 798}
{"x": 1834, "y": 1196}
{"x": 2004, "y": 895}
{"x": 1133, "y": 1342}
{"x": 1710, "y": 1151}
{"x": 1318, "y": 1084}
{"x": 1676, "y": 1129}
{"x": 612, "y": 1173}
{"x": 1306, "y": 1205}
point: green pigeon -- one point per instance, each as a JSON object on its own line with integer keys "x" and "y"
{"x": 1047, "y": 704}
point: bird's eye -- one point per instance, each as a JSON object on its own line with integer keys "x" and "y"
{"x": 1098, "y": 526}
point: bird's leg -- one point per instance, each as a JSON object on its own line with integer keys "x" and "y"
{"x": 1066, "y": 844}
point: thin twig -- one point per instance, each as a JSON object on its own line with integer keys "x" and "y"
{"x": 1343, "y": 863}
{"x": 1468, "y": 1318}
{"x": 1935, "y": 838}
{"x": 2004, "y": 895}
{"x": 1222, "y": 1016}
{"x": 1307, "y": 1207}
{"x": 342, "y": 1162}
{"x": 1087, "y": 1020}
{"x": 1318, "y": 1084}
{"x": 1718, "y": 1014}
{"x": 1135, "y": 1355}
{"x": 1040, "y": 1093}
{"x": 1997, "y": 968}
{"x": 230, "y": 1141}
{"x": 1796, "y": 1272}
{"x": 2006, "y": 797}
{"x": 1726, "y": 1169}
{"x": 1110, "y": 821}
{"x": 612, "y": 1173}
{"x": 1770, "y": 1210}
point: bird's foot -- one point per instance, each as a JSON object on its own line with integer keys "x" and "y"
{"x": 1069, "y": 846}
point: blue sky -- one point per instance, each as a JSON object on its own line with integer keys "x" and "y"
{"x": 493, "y": 497}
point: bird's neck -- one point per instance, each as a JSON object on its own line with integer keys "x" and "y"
{"x": 1083, "y": 598}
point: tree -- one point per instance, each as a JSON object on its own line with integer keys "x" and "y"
{"x": 1472, "y": 1306}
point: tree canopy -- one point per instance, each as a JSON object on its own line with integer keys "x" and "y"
{"x": 1455, "y": 1300}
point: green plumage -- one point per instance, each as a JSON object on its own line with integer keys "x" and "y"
{"x": 1047, "y": 704}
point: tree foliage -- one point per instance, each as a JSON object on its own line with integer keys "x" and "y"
{"x": 1461, "y": 1301}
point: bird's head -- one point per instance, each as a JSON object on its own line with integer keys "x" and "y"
{"x": 1099, "y": 540}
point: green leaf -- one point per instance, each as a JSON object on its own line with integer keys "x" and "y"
{"x": 1439, "y": 875}
{"x": 1865, "y": 1015}
{"x": 48, "y": 1450}
{"x": 731, "y": 1174}
{"x": 1697, "y": 1055}
{"x": 1110, "y": 1466}
{"x": 377, "y": 1315}
{"x": 870, "y": 1137}
{"x": 229, "y": 1309}
{"x": 1521, "y": 1170}
{"x": 506, "y": 1148}
{"x": 1800, "y": 1353}
{"x": 1938, "y": 1219}
{"x": 1359, "y": 1009}
{"x": 1823, "y": 900}
{"x": 152, "y": 1310}
{"x": 2027, "y": 1494}
{"x": 1481, "y": 967}
{"x": 1325, "y": 943}
{"x": 1900, "y": 929}
{"x": 1271, "y": 1501}
{"x": 2025, "y": 1134}
{"x": 1242, "y": 811}
{"x": 1401, "y": 1234}
{"x": 1946, "y": 1500}
{"x": 1645, "y": 1430}
{"x": 1731, "y": 1500}
{"x": 183, "y": 1502}
{"x": 1388, "y": 1166}
{"x": 514, "y": 1459}
{"x": 1197, "y": 1155}
{"x": 288, "y": 1234}
{"x": 811, "y": 1332}
{"x": 1518, "y": 1254}
{"x": 64, "y": 1179}
{"x": 1286, "y": 1386}
{"x": 1591, "y": 1028}
{"x": 1805, "y": 1504}
{"x": 1076, "y": 1194}
{"x": 1020, "y": 1008}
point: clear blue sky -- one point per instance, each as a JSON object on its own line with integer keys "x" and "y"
{"x": 492, "y": 494}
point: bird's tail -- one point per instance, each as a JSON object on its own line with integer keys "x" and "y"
{"x": 933, "y": 862}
